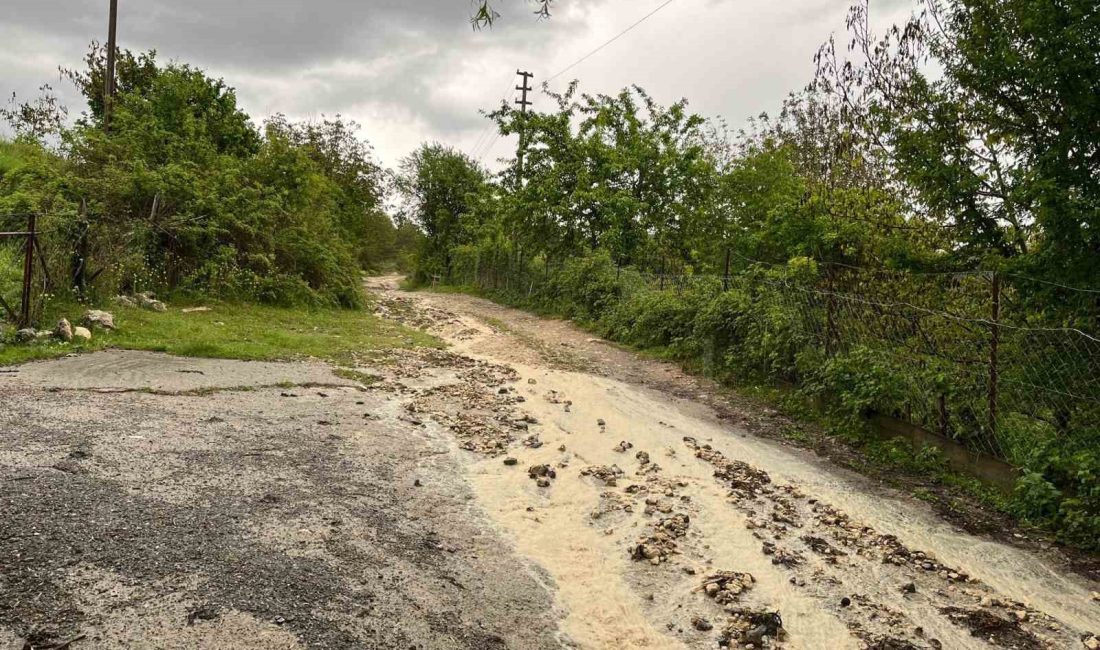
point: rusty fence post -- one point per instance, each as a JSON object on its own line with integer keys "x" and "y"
{"x": 28, "y": 271}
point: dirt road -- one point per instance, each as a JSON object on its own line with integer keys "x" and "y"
{"x": 664, "y": 526}
{"x": 530, "y": 487}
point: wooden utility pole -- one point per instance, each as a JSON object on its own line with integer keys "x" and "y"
{"x": 523, "y": 103}
{"x": 109, "y": 77}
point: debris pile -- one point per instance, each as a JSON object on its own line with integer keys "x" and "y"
{"x": 609, "y": 475}
{"x": 542, "y": 474}
{"x": 752, "y": 628}
{"x": 727, "y": 586}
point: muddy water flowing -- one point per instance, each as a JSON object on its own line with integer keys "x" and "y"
{"x": 848, "y": 564}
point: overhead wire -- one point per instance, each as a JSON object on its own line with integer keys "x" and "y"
{"x": 609, "y": 41}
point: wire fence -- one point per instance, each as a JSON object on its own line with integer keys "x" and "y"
{"x": 966, "y": 357}
{"x": 971, "y": 355}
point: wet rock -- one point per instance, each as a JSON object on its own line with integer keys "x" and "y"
{"x": 676, "y": 525}
{"x": 752, "y": 627}
{"x": 543, "y": 471}
{"x": 96, "y": 318}
{"x": 701, "y": 624}
{"x": 1001, "y": 632}
{"x": 822, "y": 547}
{"x": 64, "y": 330}
{"x": 727, "y": 586}
{"x": 609, "y": 475}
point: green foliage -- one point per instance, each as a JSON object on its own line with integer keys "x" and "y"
{"x": 185, "y": 194}
{"x": 442, "y": 187}
{"x": 965, "y": 138}
{"x": 233, "y": 331}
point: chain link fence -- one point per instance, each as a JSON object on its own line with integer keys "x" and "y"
{"x": 971, "y": 357}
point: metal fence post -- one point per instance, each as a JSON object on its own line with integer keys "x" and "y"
{"x": 726, "y": 275}
{"x": 28, "y": 271}
{"x": 994, "y": 345}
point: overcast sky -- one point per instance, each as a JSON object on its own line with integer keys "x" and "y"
{"x": 414, "y": 70}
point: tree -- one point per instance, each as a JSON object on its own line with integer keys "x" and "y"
{"x": 485, "y": 15}
{"x": 441, "y": 186}
{"x": 1001, "y": 142}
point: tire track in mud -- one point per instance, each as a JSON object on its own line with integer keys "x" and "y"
{"x": 658, "y": 535}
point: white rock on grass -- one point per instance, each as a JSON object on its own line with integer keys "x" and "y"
{"x": 125, "y": 301}
{"x": 64, "y": 330}
{"x": 95, "y": 318}
{"x": 25, "y": 335}
{"x": 82, "y": 334}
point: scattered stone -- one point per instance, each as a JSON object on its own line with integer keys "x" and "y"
{"x": 1092, "y": 642}
{"x": 909, "y": 588}
{"x": 64, "y": 330}
{"x": 622, "y": 447}
{"x": 609, "y": 475}
{"x": 701, "y": 624}
{"x": 124, "y": 301}
{"x": 510, "y": 461}
{"x": 82, "y": 334}
{"x": 750, "y": 628}
{"x": 96, "y": 318}
{"x": 822, "y": 547}
{"x": 600, "y": 422}
{"x": 542, "y": 474}
{"x": 25, "y": 335}
{"x": 1001, "y": 632}
{"x": 845, "y": 601}
{"x": 676, "y": 525}
{"x": 561, "y": 447}
{"x": 727, "y": 586}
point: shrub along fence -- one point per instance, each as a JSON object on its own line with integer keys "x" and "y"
{"x": 1002, "y": 364}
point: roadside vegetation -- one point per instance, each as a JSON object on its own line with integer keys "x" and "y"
{"x": 892, "y": 242}
{"x": 245, "y": 331}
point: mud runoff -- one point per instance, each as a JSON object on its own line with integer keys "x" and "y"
{"x": 662, "y": 526}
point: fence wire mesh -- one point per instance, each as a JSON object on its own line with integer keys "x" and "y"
{"x": 968, "y": 360}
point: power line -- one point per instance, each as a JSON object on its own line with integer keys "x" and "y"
{"x": 505, "y": 96}
{"x": 609, "y": 41}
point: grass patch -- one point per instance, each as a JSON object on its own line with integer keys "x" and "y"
{"x": 235, "y": 331}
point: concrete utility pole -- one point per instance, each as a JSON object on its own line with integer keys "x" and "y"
{"x": 523, "y": 103}
{"x": 109, "y": 78}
